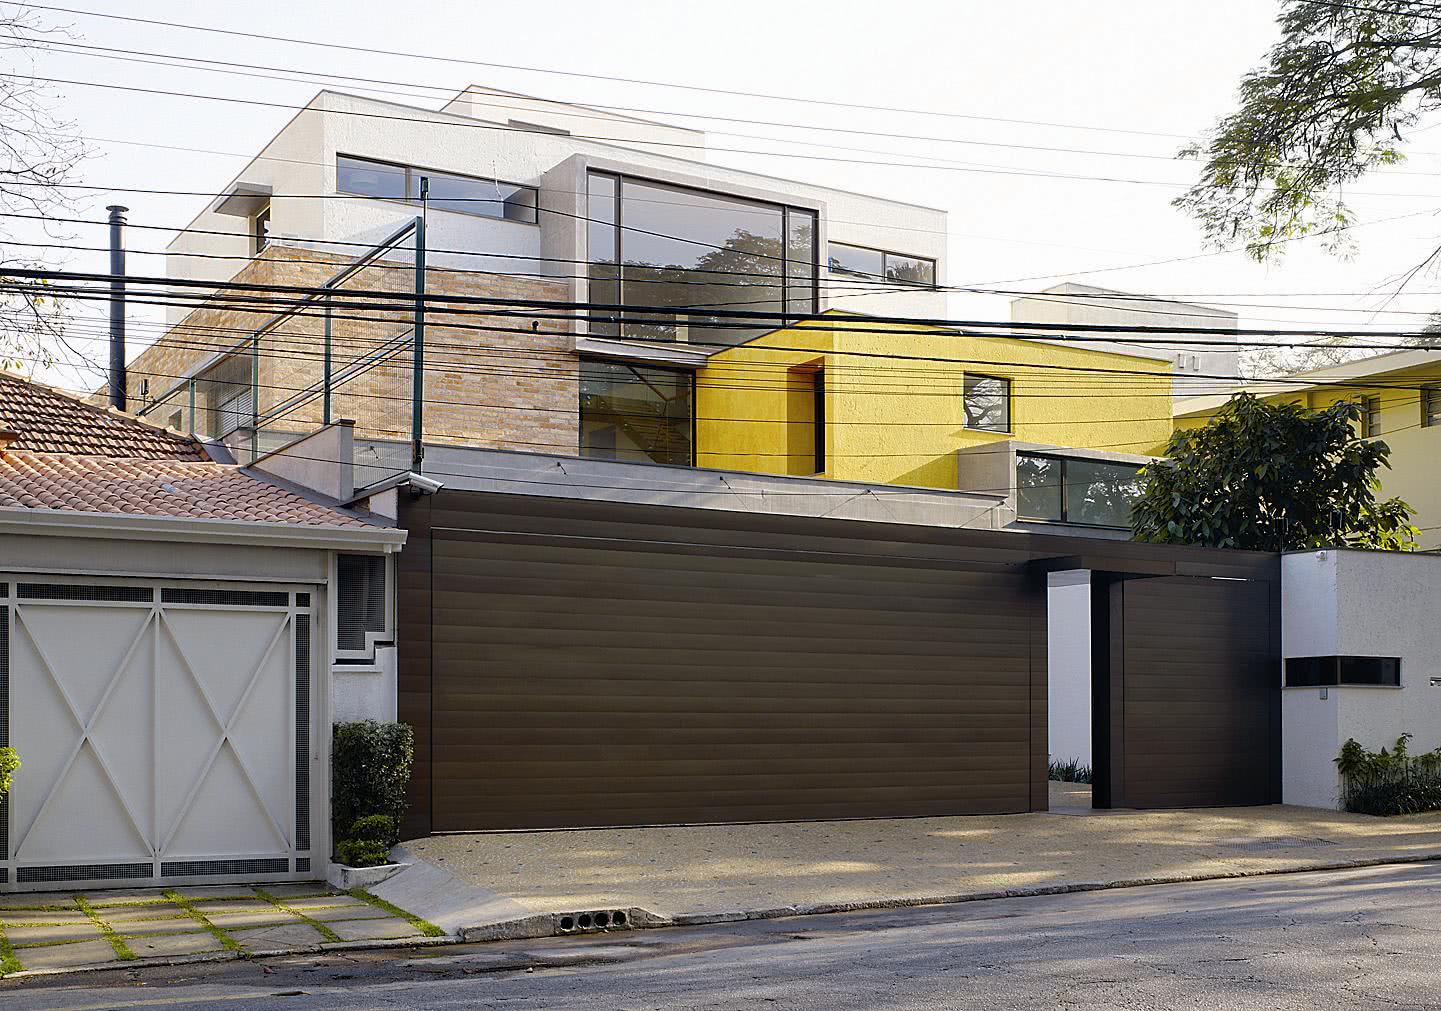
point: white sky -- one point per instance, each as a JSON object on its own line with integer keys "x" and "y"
{"x": 1156, "y": 66}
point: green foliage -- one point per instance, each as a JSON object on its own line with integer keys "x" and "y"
{"x": 363, "y": 853}
{"x": 1272, "y": 477}
{"x": 1070, "y": 771}
{"x": 379, "y": 828}
{"x": 1389, "y": 782}
{"x": 370, "y": 769}
{"x": 1336, "y": 97}
{"x": 9, "y": 763}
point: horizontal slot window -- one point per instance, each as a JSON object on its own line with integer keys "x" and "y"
{"x": 878, "y": 264}
{"x": 486, "y": 198}
{"x": 1057, "y": 489}
{"x": 1327, "y": 671}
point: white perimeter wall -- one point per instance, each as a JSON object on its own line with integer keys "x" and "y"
{"x": 1068, "y": 627}
{"x": 1357, "y": 603}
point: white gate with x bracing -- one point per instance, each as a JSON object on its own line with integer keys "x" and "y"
{"x": 165, "y": 729}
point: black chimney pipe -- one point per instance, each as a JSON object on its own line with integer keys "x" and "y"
{"x": 117, "y": 305}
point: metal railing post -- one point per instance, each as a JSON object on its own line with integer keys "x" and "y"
{"x": 325, "y": 418}
{"x": 255, "y": 400}
{"x": 192, "y": 406}
{"x": 417, "y": 406}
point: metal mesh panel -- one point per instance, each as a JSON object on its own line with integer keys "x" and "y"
{"x": 302, "y": 866}
{"x": 225, "y": 598}
{"x": 302, "y": 600}
{"x": 360, "y": 599}
{"x": 77, "y": 591}
{"x": 85, "y": 872}
{"x": 302, "y": 731}
{"x": 188, "y": 868}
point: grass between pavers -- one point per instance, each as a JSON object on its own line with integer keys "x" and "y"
{"x": 122, "y": 950}
{"x": 226, "y": 941}
{"x": 323, "y": 930}
{"x": 424, "y": 926}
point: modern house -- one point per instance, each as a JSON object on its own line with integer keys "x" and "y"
{"x": 173, "y": 628}
{"x": 531, "y": 208}
{"x": 1202, "y": 365}
{"x": 1402, "y": 395}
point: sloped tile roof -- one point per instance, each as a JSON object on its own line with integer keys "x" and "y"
{"x": 45, "y": 420}
{"x": 164, "y": 488}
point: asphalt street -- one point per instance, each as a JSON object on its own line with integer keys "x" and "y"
{"x": 1353, "y": 940}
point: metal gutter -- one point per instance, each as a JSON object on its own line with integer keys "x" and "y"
{"x": 129, "y": 526}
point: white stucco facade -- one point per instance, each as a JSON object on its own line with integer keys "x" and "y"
{"x": 1357, "y": 603}
{"x": 1068, "y": 651}
{"x": 519, "y": 140}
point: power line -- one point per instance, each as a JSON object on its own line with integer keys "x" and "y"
{"x": 833, "y": 103}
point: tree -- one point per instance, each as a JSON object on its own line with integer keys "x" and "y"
{"x": 1334, "y": 100}
{"x": 1273, "y": 477}
{"x": 39, "y": 154}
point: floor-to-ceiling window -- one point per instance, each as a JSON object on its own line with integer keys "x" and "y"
{"x": 636, "y": 413}
{"x": 668, "y": 254}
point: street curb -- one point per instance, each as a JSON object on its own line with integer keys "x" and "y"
{"x": 232, "y": 956}
{"x": 536, "y": 926}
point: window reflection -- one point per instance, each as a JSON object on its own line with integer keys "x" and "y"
{"x": 636, "y": 413}
{"x": 987, "y": 401}
{"x": 682, "y": 252}
{"x": 1069, "y": 490}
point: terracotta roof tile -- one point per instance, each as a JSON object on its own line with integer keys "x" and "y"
{"x": 46, "y": 420}
{"x": 166, "y": 488}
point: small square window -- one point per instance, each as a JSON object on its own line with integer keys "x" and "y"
{"x": 260, "y": 230}
{"x": 987, "y": 401}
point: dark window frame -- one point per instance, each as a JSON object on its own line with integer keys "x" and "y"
{"x": 1370, "y": 416}
{"x": 260, "y": 230}
{"x": 818, "y": 401}
{"x": 412, "y": 184}
{"x": 1431, "y": 405}
{"x": 884, "y": 275}
{"x": 618, "y": 248}
{"x": 580, "y": 425}
{"x": 1332, "y": 671}
{"x": 966, "y": 380}
{"x": 1065, "y": 482}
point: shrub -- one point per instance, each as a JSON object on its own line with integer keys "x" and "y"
{"x": 370, "y": 769}
{"x": 1070, "y": 771}
{"x": 363, "y": 853}
{"x": 9, "y": 762}
{"x": 1389, "y": 782}
{"x": 379, "y": 828}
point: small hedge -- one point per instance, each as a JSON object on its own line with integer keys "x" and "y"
{"x": 1389, "y": 782}
{"x": 1070, "y": 771}
{"x": 370, "y": 770}
{"x": 9, "y": 762}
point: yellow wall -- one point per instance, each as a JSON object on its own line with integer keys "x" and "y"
{"x": 894, "y": 411}
{"x": 1415, "y": 472}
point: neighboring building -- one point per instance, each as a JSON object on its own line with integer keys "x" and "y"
{"x": 172, "y": 627}
{"x": 1200, "y": 367}
{"x": 1402, "y": 394}
{"x": 534, "y": 204}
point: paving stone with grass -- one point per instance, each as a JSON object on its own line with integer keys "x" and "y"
{"x": 69, "y": 930}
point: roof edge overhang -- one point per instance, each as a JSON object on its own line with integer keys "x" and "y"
{"x": 126, "y": 526}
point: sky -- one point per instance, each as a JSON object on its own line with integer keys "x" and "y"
{"x": 1118, "y": 85}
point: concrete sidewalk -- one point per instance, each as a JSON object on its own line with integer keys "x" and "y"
{"x": 703, "y": 873}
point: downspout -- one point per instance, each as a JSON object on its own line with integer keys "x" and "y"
{"x": 118, "y": 395}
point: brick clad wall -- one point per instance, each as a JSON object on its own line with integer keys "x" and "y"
{"x": 501, "y": 381}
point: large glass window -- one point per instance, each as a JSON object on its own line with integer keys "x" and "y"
{"x": 1069, "y": 490}
{"x": 488, "y": 198}
{"x": 877, "y": 264}
{"x": 682, "y": 252}
{"x": 987, "y": 403}
{"x": 636, "y": 413}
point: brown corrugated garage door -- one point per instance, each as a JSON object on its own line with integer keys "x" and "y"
{"x": 580, "y": 680}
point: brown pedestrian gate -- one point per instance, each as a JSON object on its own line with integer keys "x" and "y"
{"x": 1188, "y": 704}
{"x": 580, "y": 663}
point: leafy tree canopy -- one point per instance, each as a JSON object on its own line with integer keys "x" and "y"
{"x": 1336, "y": 97}
{"x": 1273, "y": 477}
